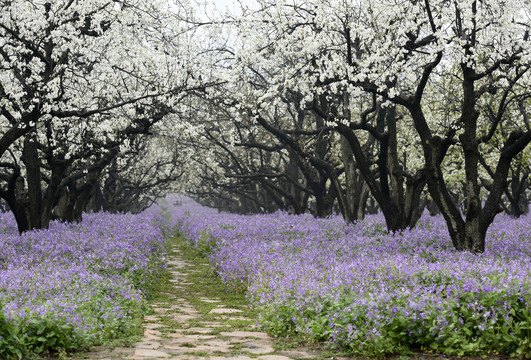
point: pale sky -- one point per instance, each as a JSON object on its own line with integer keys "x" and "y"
{"x": 230, "y": 5}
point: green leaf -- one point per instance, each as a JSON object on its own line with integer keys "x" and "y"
{"x": 508, "y": 338}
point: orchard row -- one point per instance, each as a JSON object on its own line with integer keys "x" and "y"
{"x": 352, "y": 106}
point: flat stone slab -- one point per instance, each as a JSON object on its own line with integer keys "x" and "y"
{"x": 151, "y": 337}
{"x": 199, "y": 337}
{"x": 183, "y": 318}
{"x": 175, "y": 335}
{"x": 243, "y": 334}
{"x": 224, "y": 311}
{"x": 178, "y": 339}
{"x": 161, "y": 310}
{"x": 274, "y": 357}
{"x": 214, "y": 347}
{"x": 185, "y": 309}
{"x": 147, "y": 353}
{"x": 257, "y": 348}
{"x": 153, "y": 345}
{"x": 212, "y": 325}
{"x": 199, "y": 330}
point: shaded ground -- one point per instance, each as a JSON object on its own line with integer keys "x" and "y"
{"x": 195, "y": 318}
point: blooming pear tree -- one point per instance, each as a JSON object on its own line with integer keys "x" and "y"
{"x": 486, "y": 47}
{"x": 288, "y": 46}
{"x": 399, "y": 52}
{"x": 77, "y": 79}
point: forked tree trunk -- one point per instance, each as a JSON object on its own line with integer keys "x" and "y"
{"x": 516, "y": 193}
{"x": 400, "y": 205}
{"x": 468, "y": 233}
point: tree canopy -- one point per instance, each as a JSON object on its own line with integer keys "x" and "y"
{"x": 349, "y": 106}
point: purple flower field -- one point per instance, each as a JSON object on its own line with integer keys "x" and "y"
{"x": 354, "y": 286}
{"x": 85, "y": 280}
{"x": 370, "y": 292}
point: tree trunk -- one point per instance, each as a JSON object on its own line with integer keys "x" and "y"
{"x": 400, "y": 208}
{"x": 64, "y": 209}
{"x": 323, "y": 204}
{"x": 51, "y": 195}
{"x": 81, "y": 203}
{"x": 516, "y": 193}
{"x": 361, "y": 206}
{"x": 18, "y": 211}
{"x": 34, "y": 204}
{"x": 354, "y": 207}
{"x": 298, "y": 198}
{"x": 468, "y": 234}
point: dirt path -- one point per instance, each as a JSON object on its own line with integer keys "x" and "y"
{"x": 195, "y": 319}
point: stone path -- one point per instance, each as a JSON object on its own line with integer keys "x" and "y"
{"x": 178, "y": 330}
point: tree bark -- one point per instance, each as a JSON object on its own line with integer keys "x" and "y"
{"x": 399, "y": 209}
{"x": 34, "y": 204}
{"x": 51, "y": 195}
{"x": 355, "y": 188}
